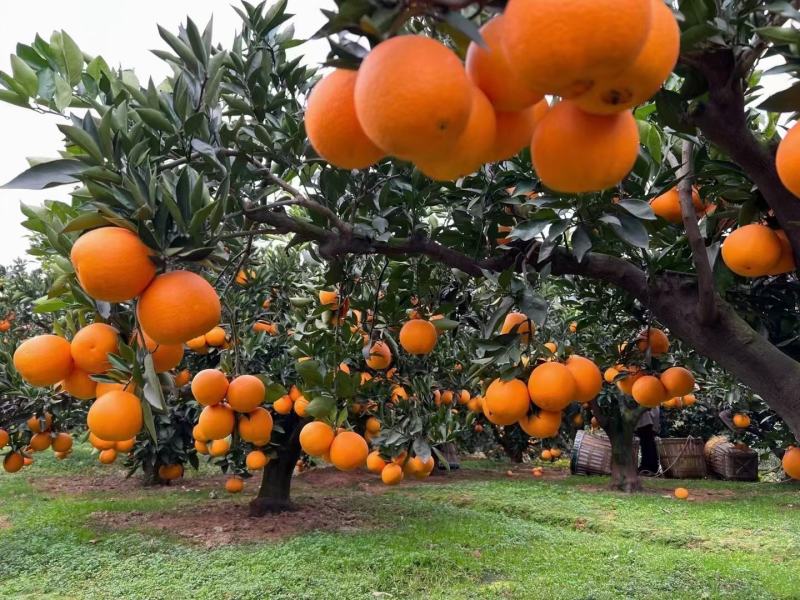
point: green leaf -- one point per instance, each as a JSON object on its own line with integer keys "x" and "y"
{"x": 46, "y": 175}
{"x": 779, "y": 35}
{"x": 671, "y": 111}
{"x": 63, "y": 95}
{"x": 581, "y": 242}
{"x": 85, "y": 221}
{"x": 68, "y": 55}
{"x": 460, "y": 23}
{"x": 445, "y": 324}
{"x": 534, "y": 307}
{"x": 321, "y": 407}
{"x": 152, "y": 385}
{"x": 787, "y": 100}
{"x": 48, "y": 305}
{"x": 632, "y": 231}
{"x": 24, "y": 75}
{"x": 155, "y": 119}
{"x": 147, "y": 414}
{"x": 83, "y": 140}
{"x": 309, "y": 371}
{"x": 274, "y": 391}
{"x": 13, "y": 98}
{"x": 638, "y": 208}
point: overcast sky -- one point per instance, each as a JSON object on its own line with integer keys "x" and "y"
{"x": 123, "y": 32}
{"x": 123, "y": 35}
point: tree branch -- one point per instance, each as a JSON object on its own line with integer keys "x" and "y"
{"x": 707, "y": 304}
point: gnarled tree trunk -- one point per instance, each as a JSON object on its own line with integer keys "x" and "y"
{"x": 274, "y": 495}
{"x": 619, "y": 422}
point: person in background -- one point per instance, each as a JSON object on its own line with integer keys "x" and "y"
{"x": 647, "y": 428}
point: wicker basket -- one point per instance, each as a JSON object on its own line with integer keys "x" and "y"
{"x": 682, "y": 458}
{"x": 591, "y": 454}
{"x": 728, "y": 462}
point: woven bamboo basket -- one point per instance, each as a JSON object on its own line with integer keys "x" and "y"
{"x": 591, "y": 454}
{"x": 728, "y": 462}
{"x": 682, "y": 458}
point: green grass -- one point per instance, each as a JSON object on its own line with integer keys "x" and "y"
{"x": 498, "y": 538}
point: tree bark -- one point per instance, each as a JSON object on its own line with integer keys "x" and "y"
{"x": 619, "y": 423}
{"x": 274, "y": 495}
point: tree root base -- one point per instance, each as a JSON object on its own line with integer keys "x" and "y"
{"x": 270, "y": 506}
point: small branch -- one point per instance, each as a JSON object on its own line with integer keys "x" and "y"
{"x": 707, "y": 305}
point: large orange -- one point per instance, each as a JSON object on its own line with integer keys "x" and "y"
{"x": 283, "y": 405}
{"x": 4, "y": 438}
{"x": 413, "y": 97}
{"x": 100, "y": 444}
{"x": 79, "y": 385}
{"x": 115, "y": 416}
{"x": 625, "y": 384}
{"x": 392, "y": 474}
{"x": 215, "y": 337}
{"x": 35, "y": 424}
{"x": 506, "y": 402}
{"x": 316, "y": 438}
{"x": 234, "y": 484}
{"x": 471, "y": 150}
{"x": 348, "y": 451}
{"x": 245, "y": 393}
{"x": 786, "y": 262}
{"x": 418, "y": 336}
{"x": 653, "y": 339}
{"x": 588, "y": 379}
{"x": 521, "y": 322}
{"x": 564, "y": 47}
{"x": 165, "y": 356}
{"x": 332, "y": 125}
{"x": 375, "y": 463}
{"x": 209, "y": 386}
{"x": 573, "y": 151}
{"x": 112, "y": 264}
{"x": 543, "y": 425}
{"x": 256, "y": 426}
{"x": 104, "y": 388}
{"x": 91, "y": 346}
{"x": 552, "y": 386}
{"x": 256, "y": 460}
{"x": 638, "y": 82}
{"x": 489, "y": 69}
{"x": 649, "y": 391}
{"x": 13, "y": 462}
{"x": 752, "y": 250}
{"x": 786, "y": 159}
{"x": 170, "y": 472}
{"x": 43, "y": 360}
{"x": 668, "y": 205}
{"x": 677, "y": 381}
{"x": 216, "y": 421}
{"x": 514, "y": 131}
{"x": 62, "y": 442}
{"x": 379, "y": 356}
{"x": 791, "y": 462}
{"x": 178, "y": 306}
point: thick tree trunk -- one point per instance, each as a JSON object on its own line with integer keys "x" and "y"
{"x": 274, "y": 495}
{"x": 624, "y": 467}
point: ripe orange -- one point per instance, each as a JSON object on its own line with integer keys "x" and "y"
{"x": 552, "y": 347}
{"x": 104, "y": 388}
{"x": 786, "y": 160}
{"x": 201, "y": 447}
{"x": 398, "y": 393}
{"x": 546, "y": 455}
{"x": 332, "y": 125}
{"x": 653, "y": 339}
{"x": 256, "y": 426}
{"x": 791, "y": 462}
{"x": 514, "y": 131}
{"x": 115, "y": 416}
{"x": 256, "y": 460}
{"x": 295, "y": 393}
{"x": 40, "y": 441}
{"x": 316, "y": 438}
{"x": 392, "y": 474}
{"x": 348, "y": 451}
{"x": 219, "y": 447}
{"x": 100, "y": 444}
{"x": 418, "y": 336}
{"x": 234, "y": 485}
{"x": 638, "y": 82}
{"x": 649, "y": 391}
{"x": 464, "y": 397}
{"x": 35, "y": 423}
{"x": 170, "y": 472}
{"x": 215, "y": 337}
{"x": 786, "y": 262}
{"x": 197, "y": 343}
{"x": 373, "y": 425}
{"x": 688, "y": 400}
{"x": 329, "y": 299}
{"x": 588, "y": 380}
{"x": 681, "y": 493}
{"x": 741, "y": 421}
{"x": 543, "y": 425}
{"x": 380, "y": 357}
{"x": 91, "y": 346}
{"x": 375, "y": 463}
{"x": 677, "y": 381}
{"x": 506, "y": 402}
{"x": 283, "y": 405}
{"x": 125, "y": 446}
{"x": 564, "y": 48}
{"x": 522, "y": 323}
{"x": 182, "y": 378}
{"x": 668, "y": 205}
{"x": 752, "y": 250}
{"x": 4, "y": 438}
{"x": 422, "y": 468}
{"x": 177, "y": 307}
{"x": 165, "y": 356}
{"x": 43, "y": 360}
{"x": 245, "y": 393}
{"x": 79, "y": 385}
{"x": 489, "y": 69}
{"x": 112, "y": 264}
{"x": 300, "y": 406}
{"x": 216, "y": 421}
{"x": 13, "y": 462}
{"x": 107, "y": 456}
{"x": 413, "y": 97}
{"x": 573, "y": 151}
{"x": 472, "y": 148}
{"x": 552, "y": 386}
{"x": 610, "y": 374}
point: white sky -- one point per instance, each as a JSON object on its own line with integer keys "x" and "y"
{"x": 123, "y": 35}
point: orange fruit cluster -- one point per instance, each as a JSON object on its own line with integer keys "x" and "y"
{"x": 345, "y": 450}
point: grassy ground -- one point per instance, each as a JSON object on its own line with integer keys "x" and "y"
{"x": 477, "y": 537}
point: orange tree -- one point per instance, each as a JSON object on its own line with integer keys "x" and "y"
{"x": 216, "y": 157}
